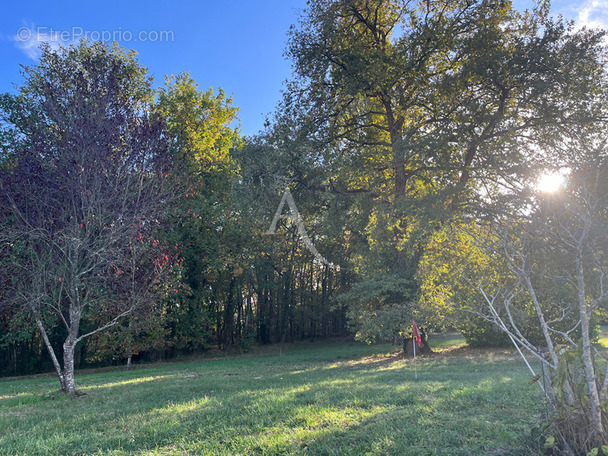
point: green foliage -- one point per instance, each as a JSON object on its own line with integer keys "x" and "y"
{"x": 401, "y": 119}
{"x": 412, "y": 107}
{"x": 452, "y": 265}
{"x": 378, "y": 309}
{"x": 456, "y": 263}
{"x": 482, "y": 333}
{"x": 203, "y": 137}
{"x": 86, "y": 193}
{"x": 202, "y": 130}
{"x": 571, "y": 420}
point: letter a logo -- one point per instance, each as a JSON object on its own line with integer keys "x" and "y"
{"x": 295, "y": 218}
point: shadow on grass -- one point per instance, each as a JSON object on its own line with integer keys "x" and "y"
{"x": 288, "y": 405}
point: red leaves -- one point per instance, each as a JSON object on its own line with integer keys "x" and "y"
{"x": 191, "y": 192}
{"x": 88, "y": 171}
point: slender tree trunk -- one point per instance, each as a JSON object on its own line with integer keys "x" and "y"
{"x": 549, "y": 392}
{"x": 239, "y": 333}
{"x": 66, "y": 375}
{"x": 325, "y": 271}
{"x": 129, "y": 345}
{"x": 49, "y": 347}
{"x": 541, "y": 318}
{"x": 227, "y": 338}
{"x": 597, "y": 429}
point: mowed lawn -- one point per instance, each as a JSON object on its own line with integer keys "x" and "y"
{"x": 309, "y": 399}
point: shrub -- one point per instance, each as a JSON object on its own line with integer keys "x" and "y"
{"x": 480, "y": 333}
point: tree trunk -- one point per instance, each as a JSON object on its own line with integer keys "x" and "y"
{"x": 549, "y": 391}
{"x": 597, "y": 429}
{"x": 408, "y": 348}
{"x": 15, "y": 359}
{"x": 68, "y": 385}
{"x": 398, "y": 154}
{"x": 49, "y": 347}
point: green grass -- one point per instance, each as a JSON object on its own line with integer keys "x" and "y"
{"x": 313, "y": 399}
{"x": 448, "y": 341}
{"x": 603, "y": 339}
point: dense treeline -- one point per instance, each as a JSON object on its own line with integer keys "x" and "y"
{"x": 399, "y": 120}
{"x": 396, "y": 180}
{"x": 271, "y": 305}
{"x": 219, "y": 280}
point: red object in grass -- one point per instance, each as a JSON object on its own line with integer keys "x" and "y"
{"x": 416, "y": 333}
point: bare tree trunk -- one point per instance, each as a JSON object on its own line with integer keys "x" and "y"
{"x": 15, "y": 359}
{"x": 129, "y": 345}
{"x": 68, "y": 386}
{"x": 541, "y": 317}
{"x": 597, "y": 429}
{"x": 49, "y": 347}
{"x": 549, "y": 392}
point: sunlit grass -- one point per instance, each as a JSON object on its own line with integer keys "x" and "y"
{"x": 321, "y": 399}
{"x": 128, "y": 382}
{"x": 603, "y": 340}
{"x": 448, "y": 341}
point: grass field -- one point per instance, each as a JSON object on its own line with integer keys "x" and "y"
{"x": 310, "y": 399}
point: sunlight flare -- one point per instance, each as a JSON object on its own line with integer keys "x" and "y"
{"x": 550, "y": 182}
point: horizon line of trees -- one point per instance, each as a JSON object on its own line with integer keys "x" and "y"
{"x": 134, "y": 221}
{"x": 125, "y": 230}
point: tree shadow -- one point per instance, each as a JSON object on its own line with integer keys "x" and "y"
{"x": 370, "y": 405}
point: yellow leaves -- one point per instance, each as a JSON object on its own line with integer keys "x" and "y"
{"x": 201, "y": 123}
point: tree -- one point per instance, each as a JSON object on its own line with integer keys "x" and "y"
{"x": 203, "y": 137}
{"x": 550, "y": 262}
{"x": 293, "y": 288}
{"x": 413, "y": 106}
{"x": 83, "y": 193}
{"x": 145, "y": 327}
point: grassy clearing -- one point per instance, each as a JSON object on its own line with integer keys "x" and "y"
{"x": 314, "y": 399}
{"x": 446, "y": 342}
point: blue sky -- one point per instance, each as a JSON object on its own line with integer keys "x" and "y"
{"x": 237, "y": 45}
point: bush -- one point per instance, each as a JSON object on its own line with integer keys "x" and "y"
{"x": 481, "y": 333}
{"x": 568, "y": 429}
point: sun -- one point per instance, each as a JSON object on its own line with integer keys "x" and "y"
{"x": 550, "y": 182}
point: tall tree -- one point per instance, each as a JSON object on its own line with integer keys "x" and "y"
{"x": 203, "y": 135}
{"x": 553, "y": 249}
{"x": 84, "y": 192}
{"x": 413, "y": 106}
